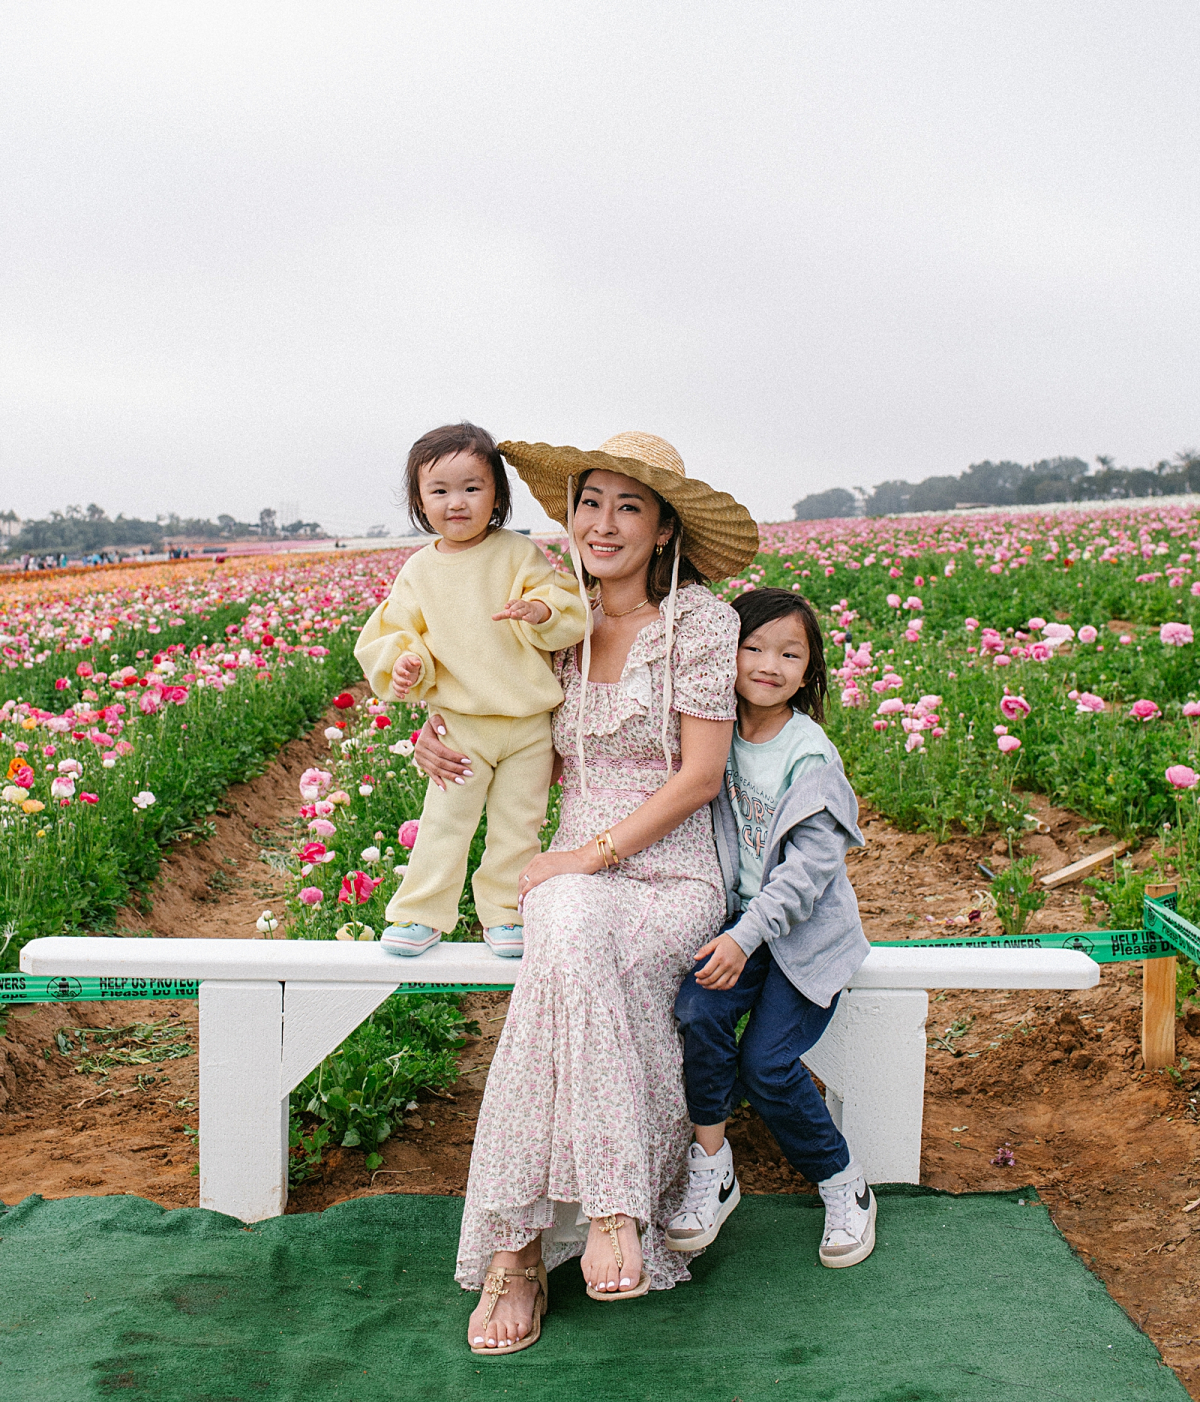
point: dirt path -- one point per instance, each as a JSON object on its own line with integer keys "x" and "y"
{"x": 1113, "y": 1150}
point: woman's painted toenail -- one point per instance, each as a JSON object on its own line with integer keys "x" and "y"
{"x": 625, "y": 1281}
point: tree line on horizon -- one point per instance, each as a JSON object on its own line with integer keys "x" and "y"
{"x": 1010, "y": 484}
{"x": 90, "y": 530}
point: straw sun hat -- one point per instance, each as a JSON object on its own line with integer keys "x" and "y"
{"x": 719, "y": 534}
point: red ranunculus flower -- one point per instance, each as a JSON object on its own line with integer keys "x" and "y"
{"x": 357, "y": 888}
{"x": 382, "y": 722}
{"x": 312, "y": 852}
{"x": 344, "y": 701}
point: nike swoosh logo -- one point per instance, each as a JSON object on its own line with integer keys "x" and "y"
{"x": 723, "y": 1192}
{"x": 863, "y": 1200}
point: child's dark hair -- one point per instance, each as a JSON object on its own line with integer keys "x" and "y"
{"x": 658, "y": 576}
{"x": 761, "y": 606}
{"x": 444, "y": 442}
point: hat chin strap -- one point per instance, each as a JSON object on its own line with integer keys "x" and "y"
{"x": 668, "y": 688}
{"x": 577, "y": 561}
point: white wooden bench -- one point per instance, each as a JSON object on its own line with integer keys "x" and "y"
{"x": 272, "y": 1010}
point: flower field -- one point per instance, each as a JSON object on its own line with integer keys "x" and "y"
{"x": 128, "y": 709}
{"x": 970, "y": 657}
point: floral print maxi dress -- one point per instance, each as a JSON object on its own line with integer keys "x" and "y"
{"x": 584, "y": 1112}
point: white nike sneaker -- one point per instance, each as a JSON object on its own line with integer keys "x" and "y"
{"x": 508, "y": 941}
{"x": 712, "y": 1194}
{"x": 849, "y": 1235}
{"x": 407, "y": 938}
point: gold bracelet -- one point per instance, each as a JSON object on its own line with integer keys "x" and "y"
{"x": 608, "y": 848}
{"x": 608, "y": 851}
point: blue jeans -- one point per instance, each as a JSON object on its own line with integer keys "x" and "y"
{"x": 765, "y": 1067}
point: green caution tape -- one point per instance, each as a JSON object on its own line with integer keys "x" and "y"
{"x": 1104, "y": 946}
{"x": 1176, "y": 932}
{"x": 24, "y": 988}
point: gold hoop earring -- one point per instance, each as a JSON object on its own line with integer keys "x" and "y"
{"x": 658, "y": 549}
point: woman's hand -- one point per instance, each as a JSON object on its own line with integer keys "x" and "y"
{"x": 444, "y": 766}
{"x": 582, "y": 861}
{"x": 725, "y": 967}
{"x": 526, "y": 610}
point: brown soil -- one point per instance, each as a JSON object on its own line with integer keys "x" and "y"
{"x": 1056, "y": 1077}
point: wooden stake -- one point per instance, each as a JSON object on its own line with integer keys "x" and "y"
{"x": 1158, "y": 1000}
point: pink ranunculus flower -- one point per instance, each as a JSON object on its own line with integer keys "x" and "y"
{"x": 1087, "y": 701}
{"x": 315, "y": 852}
{"x": 1179, "y": 776}
{"x": 938, "y": 732}
{"x": 970, "y": 624}
{"x": 1195, "y": 590}
{"x": 912, "y": 602}
{"x": 1008, "y": 744}
{"x": 357, "y": 888}
{"x": 62, "y": 787}
{"x": 1175, "y": 634}
{"x": 914, "y": 742}
{"x": 1036, "y": 625}
{"x": 407, "y": 836}
{"x": 322, "y": 827}
{"x": 322, "y": 809}
{"x": 999, "y": 729}
{"x": 1058, "y": 632}
{"x": 61, "y": 684}
{"x": 1000, "y": 660}
{"x": 313, "y": 782}
{"x": 891, "y": 707}
{"x": 89, "y": 798}
{"x": 893, "y": 601}
{"x": 1144, "y": 710}
{"x": 1191, "y": 708}
{"x": 911, "y": 635}
{"x": 851, "y": 696}
{"x": 1125, "y": 639}
{"x": 1014, "y": 707}
{"x": 312, "y": 895}
{"x": 880, "y": 724}
{"x": 149, "y": 701}
{"x": 1088, "y": 634}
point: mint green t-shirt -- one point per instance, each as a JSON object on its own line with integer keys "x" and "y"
{"x": 757, "y": 776}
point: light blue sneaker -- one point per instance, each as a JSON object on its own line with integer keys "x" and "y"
{"x": 407, "y": 938}
{"x": 508, "y": 941}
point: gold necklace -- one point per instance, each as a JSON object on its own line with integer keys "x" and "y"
{"x": 634, "y": 609}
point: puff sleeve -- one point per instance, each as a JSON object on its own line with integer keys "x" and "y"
{"x": 704, "y": 661}
{"x": 395, "y": 627}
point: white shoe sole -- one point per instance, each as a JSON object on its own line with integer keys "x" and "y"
{"x": 398, "y": 945}
{"x": 505, "y": 949}
{"x": 860, "y": 1253}
{"x": 703, "y": 1239}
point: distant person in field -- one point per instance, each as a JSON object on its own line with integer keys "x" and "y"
{"x": 790, "y": 815}
{"x": 469, "y": 628}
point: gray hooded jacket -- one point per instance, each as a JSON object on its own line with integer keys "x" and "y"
{"x": 806, "y": 911}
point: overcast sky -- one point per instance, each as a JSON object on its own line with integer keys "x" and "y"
{"x": 249, "y": 252}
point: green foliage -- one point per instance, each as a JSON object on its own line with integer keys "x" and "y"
{"x": 1015, "y": 895}
{"x": 360, "y": 1093}
{"x": 88, "y": 861}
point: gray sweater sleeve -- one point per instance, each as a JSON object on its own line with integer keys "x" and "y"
{"x": 814, "y": 853}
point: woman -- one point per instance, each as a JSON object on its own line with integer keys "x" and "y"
{"x": 584, "y": 1128}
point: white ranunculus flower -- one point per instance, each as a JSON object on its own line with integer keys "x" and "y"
{"x": 332, "y": 733}
{"x": 144, "y": 799}
{"x": 369, "y": 854}
{"x": 109, "y": 761}
{"x": 266, "y": 923}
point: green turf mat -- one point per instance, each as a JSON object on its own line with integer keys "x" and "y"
{"x": 965, "y": 1298}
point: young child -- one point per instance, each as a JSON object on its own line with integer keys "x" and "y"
{"x": 468, "y": 629}
{"x": 784, "y": 822}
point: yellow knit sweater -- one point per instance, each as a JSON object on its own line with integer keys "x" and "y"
{"x": 440, "y": 609}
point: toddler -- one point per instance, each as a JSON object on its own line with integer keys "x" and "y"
{"x": 784, "y": 822}
{"x": 469, "y": 628}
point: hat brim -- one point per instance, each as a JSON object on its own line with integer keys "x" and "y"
{"x": 720, "y": 537}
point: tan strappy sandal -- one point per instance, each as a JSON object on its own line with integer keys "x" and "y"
{"x": 494, "y": 1285}
{"x": 612, "y": 1227}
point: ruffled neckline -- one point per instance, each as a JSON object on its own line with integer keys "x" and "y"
{"x": 609, "y": 708}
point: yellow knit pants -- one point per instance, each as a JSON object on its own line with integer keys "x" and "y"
{"x": 511, "y": 760}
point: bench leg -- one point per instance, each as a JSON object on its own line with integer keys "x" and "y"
{"x": 243, "y": 1116}
{"x": 872, "y": 1061}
